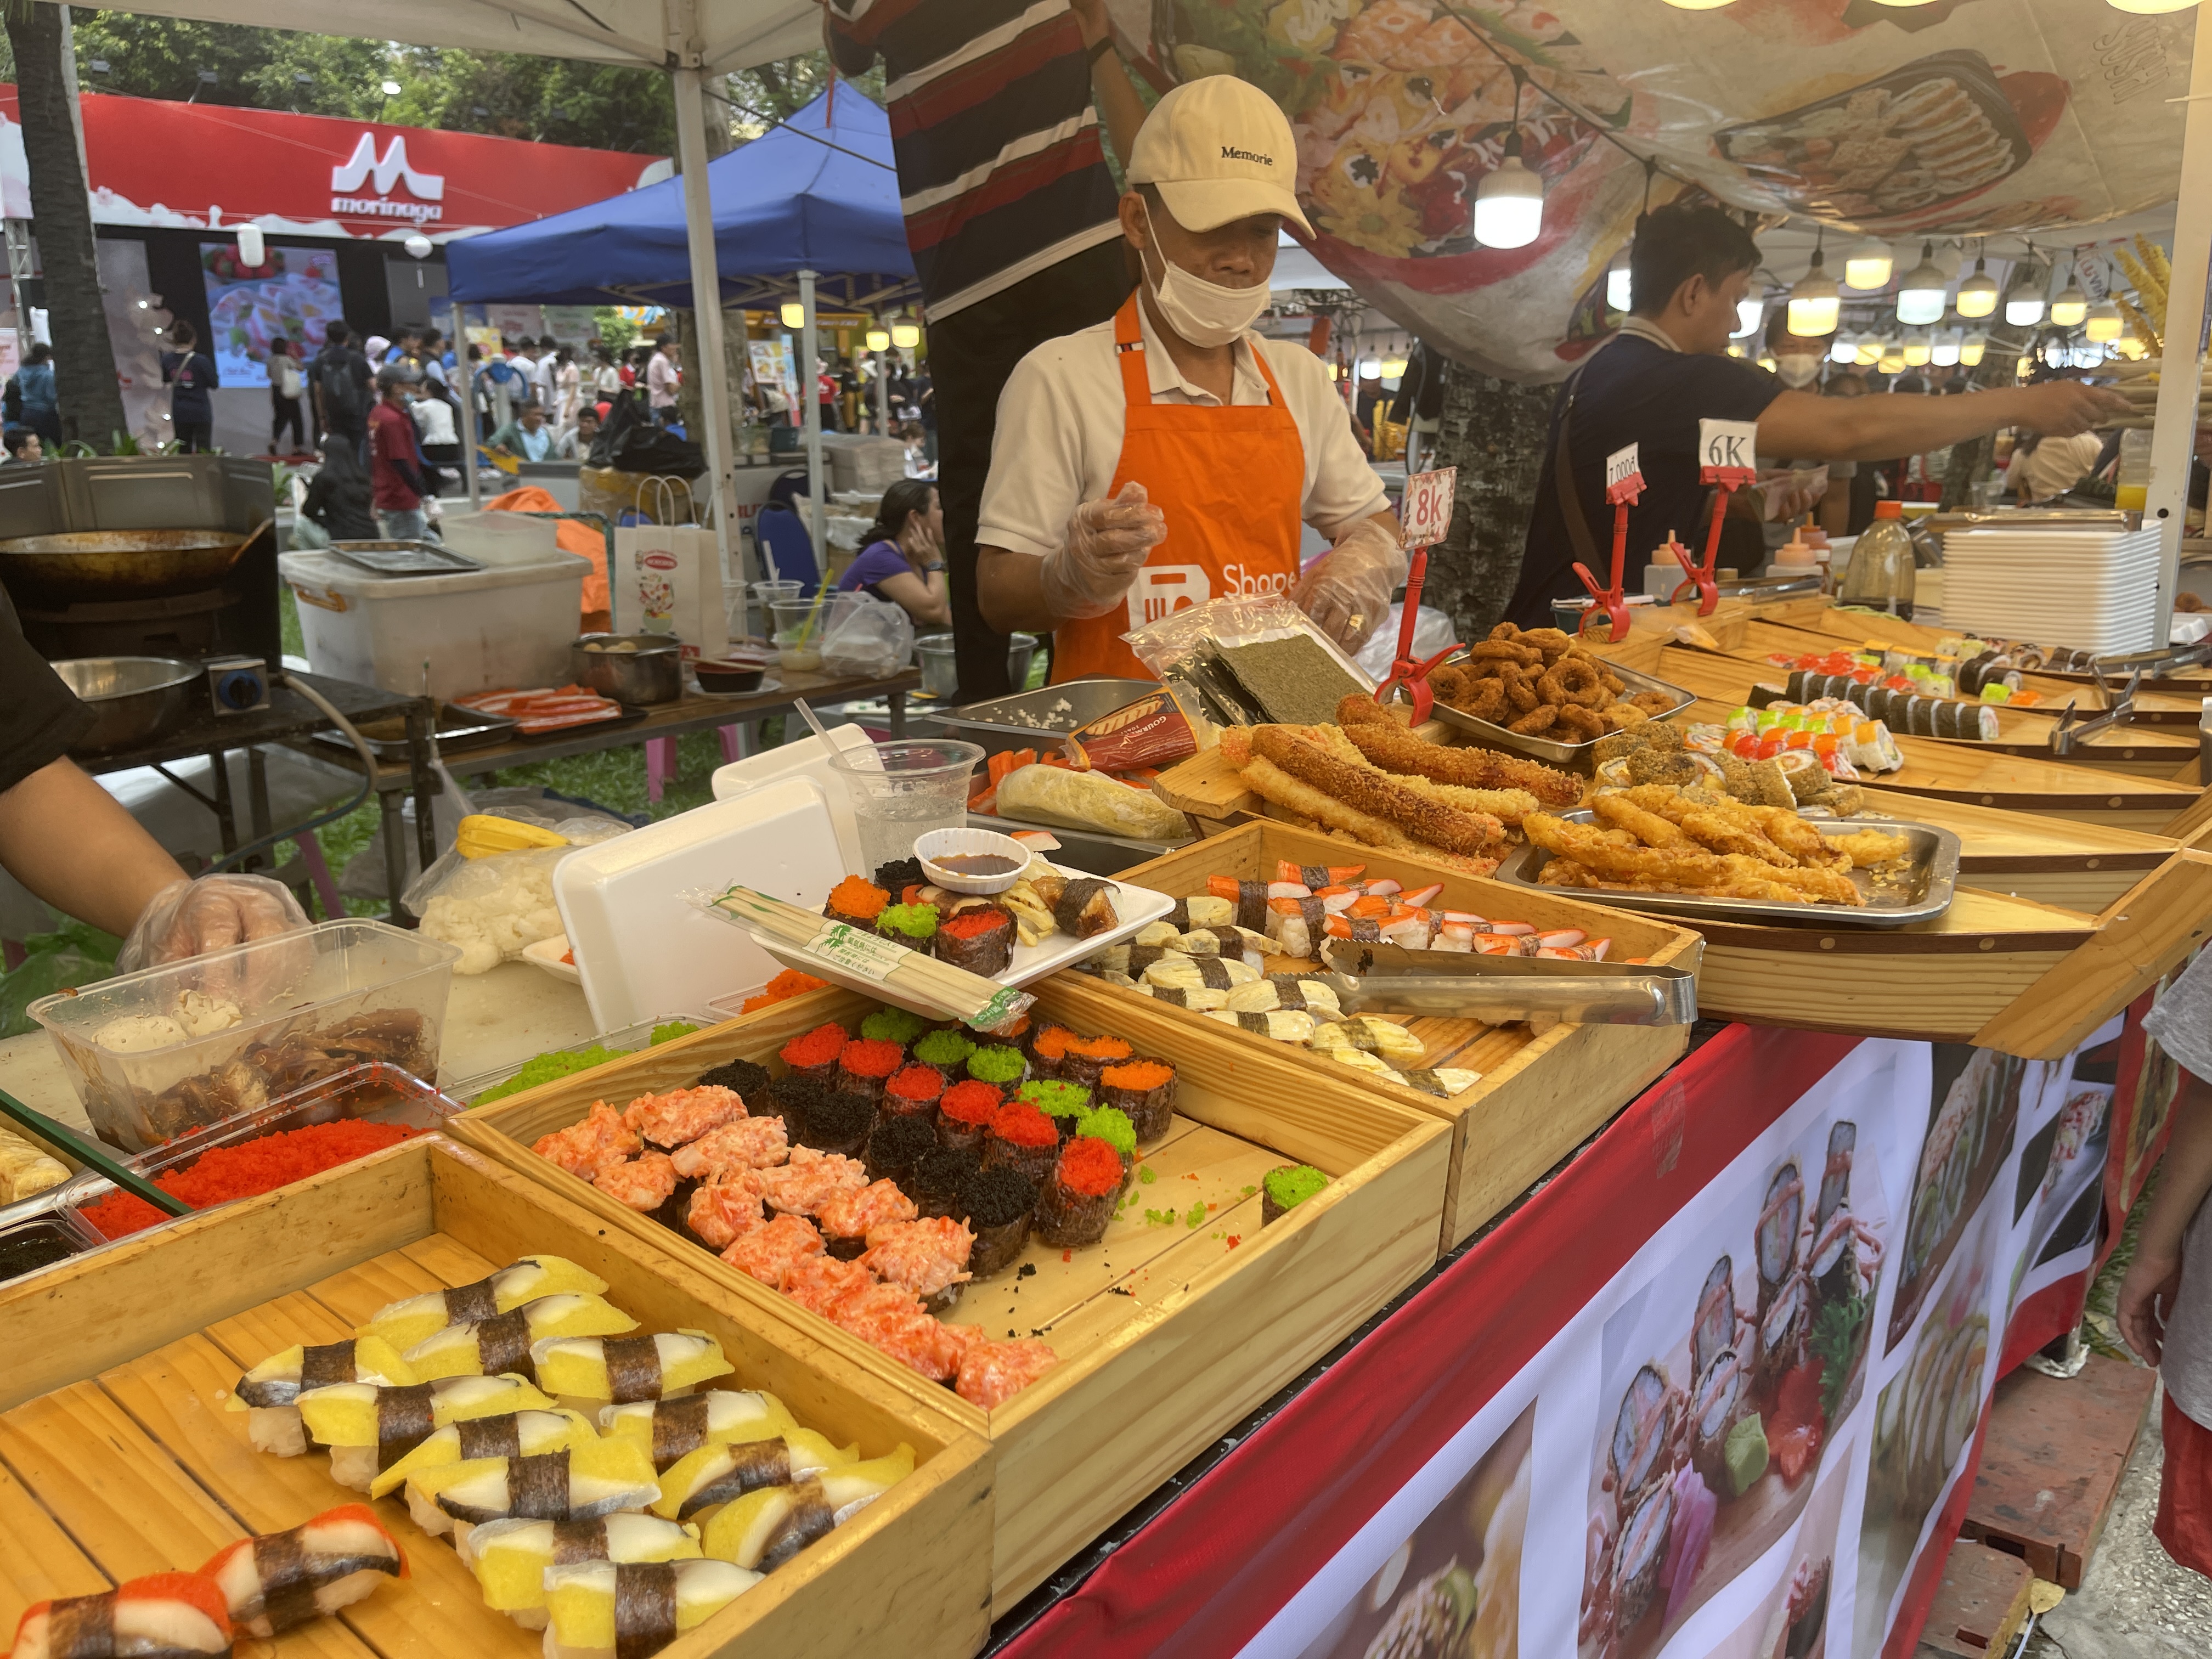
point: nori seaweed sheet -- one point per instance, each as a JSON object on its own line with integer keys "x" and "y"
{"x": 1295, "y": 680}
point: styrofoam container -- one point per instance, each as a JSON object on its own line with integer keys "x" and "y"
{"x": 500, "y": 539}
{"x": 506, "y": 625}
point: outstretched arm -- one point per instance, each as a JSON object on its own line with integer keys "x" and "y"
{"x": 1119, "y": 106}
{"x": 1876, "y": 429}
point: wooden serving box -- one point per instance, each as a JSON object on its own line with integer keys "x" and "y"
{"x": 117, "y": 1458}
{"x": 1541, "y": 1093}
{"x": 1167, "y": 1334}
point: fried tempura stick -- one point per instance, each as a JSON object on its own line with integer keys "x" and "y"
{"x": 1274, "y": 784}
{"x": 1376, "y": 795}
{"x": 1506, "y": 805}
{"x": 1586, "y": 844}
{"x": 1725, "y": 833}
{"x": 1647, "y": 827}
{"x": 1833, "y": 886}
{"x": 1358, "y": 708}
{"x": 1868, "y": 847}
{"x": 1396, "y": 751}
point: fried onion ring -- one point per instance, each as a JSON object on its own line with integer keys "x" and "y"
{"x": 1651, "y": 703}
{"x": 1574, "y": 679}
{"x": 1519, "y": 693}
{"x": 1583, "y": 722}
{"x": 1506, "y": 651}
{"x": 1539, "y": 719}
{"x": 1485, "y": 700}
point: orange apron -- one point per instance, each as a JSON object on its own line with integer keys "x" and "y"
{"x": 1231, "y": 480}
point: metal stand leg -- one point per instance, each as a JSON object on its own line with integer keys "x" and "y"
{"x": 395, "y": 853}
{"x": 897, "y": 701}
{"x": 257, "y": 795}
{"x": 426, "y": 785}
{"x": 225, "y": 819}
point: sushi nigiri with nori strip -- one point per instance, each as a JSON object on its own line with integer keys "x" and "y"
{"x": 368, "y": 1427}
{"x": 408, "y": 1320}
{"x": 272, "y": 1390}
{"x": 164, "y": 1615}
{"x": 1082, "y": 906}
{"x": 502, "y": 1343}
{"x": 511, "y": 1434}
{"x": 674, "y": 1429}
{"x": 512, "y": 1557}
{"x": 609, "y": 1610}
{"x": 717, "y": 1475}
{"x": 765, "y": 1528}
{"x": 1310, "y": 996}
{"x": 1283, "y": 1024}
{"x": 588, "y": 1372}
{"x": 596, "y": 1477}
{"x": 285, "y": 1578}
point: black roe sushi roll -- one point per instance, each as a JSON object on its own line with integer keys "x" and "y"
{"x": 999, "y": 1203}
{"x": 793, "y": 1097}
{"x": 750, "y": 1081}
{"x": 936, "y": 1180}
{"x": 895, "y": 1144}
{"x": 838, "y": 1123}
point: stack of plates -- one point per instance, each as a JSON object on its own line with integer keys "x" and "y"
{"x": 2089, "y": 590}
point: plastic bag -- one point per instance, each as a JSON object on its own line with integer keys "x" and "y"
{"x": 1432, "y": 632}
{"x": 869, "y": 637}
{"x": 494, "y": 907}
{"x": 73, "y": 955}
{"x": 1087, "y": 800}
{"x": 1237, "y": 619}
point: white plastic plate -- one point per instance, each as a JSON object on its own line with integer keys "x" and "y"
{"x": 547, "y": 954}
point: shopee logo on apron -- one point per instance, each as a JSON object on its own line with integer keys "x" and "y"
{"x": 1160, "y": 588}
{"x": 1242, "y": 580}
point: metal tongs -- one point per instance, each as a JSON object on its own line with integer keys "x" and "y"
{"x": 1388, "y": 979}
{"x": 2119, "y": 709}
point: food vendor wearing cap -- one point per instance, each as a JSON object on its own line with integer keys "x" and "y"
{"x": 1171, "y": 455}
{"x": 1668, "y": 368}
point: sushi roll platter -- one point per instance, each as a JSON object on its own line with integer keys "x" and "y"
{"x": 1059, "y": 1229}
{"x": 420, "y": 1404}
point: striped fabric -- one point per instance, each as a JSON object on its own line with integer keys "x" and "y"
{"x": 1000, "y": 168}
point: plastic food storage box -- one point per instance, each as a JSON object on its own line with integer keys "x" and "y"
{"x": 376, "y": 1093}
{"x": 627, "y": 1040}
{"x": 310, "y": 1004}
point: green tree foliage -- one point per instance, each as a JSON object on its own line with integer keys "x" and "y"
{"x": 253, "y": 68}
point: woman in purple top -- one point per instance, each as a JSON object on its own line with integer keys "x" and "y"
{"x": 902, "y": 558}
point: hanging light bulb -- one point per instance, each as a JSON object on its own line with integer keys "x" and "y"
{"x": 1920, "y": 290}
{"x": 1845, "y": 350}
{"x": 2023, "y": 305}
{"x": 906, "y": 333}
{"x": 1815, "y": 301}
{"x": 1750, "y": 314}
{"x": 2071, "y": 306}
{"x": 1868, "y": 264}
{"x": 251, "y": 250}
{"x": 1892, "y": 360}
{"x": 418, "y": 247}
{"x": 1371, "y": 368}
{"x": 1394, "y": 366}
{"x": 1948, "y": 258}
{"x": 793, "y": 314}
{"x": 2103, "y": 321}
{"x": 1869, "y": 351}
{"x": 880, "y": 339}
{"x": 2141, "y": 7}
{"x": 1971, "y": 350}
{"x": 1945, "y": 352}
{"x": 1706, "y": 5}
{"x": 1508, "y": 203}
{"x": 1978, "y": 295}
{"x": 1619, "y": 289}
{"x": 1919, "y": 349}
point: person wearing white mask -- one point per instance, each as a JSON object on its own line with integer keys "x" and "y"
{"x": 1171, "y": 455}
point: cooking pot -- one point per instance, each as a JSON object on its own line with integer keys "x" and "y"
{"x": 136, "y": 699}
{"x": 632, "y": 668}
{"x": 94, "y": 566}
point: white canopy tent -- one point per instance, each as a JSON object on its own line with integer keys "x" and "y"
{"x": 688, "y": 40}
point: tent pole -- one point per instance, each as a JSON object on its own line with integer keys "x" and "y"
{"x": 819, "y": 507}
{"x": 706, "y": 307}
{"x": 2175, "y": 427}
{"x": 882, "y": 394}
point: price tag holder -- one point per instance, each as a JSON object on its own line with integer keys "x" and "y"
{"x": 1728, "y": 451}
{"x": 1623, "y": 477}
{"x": 1426, "y": 510}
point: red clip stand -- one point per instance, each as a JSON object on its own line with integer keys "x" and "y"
{"x": 1727, "y": 460}
{"x": 1624, "y": 482}
{"x": 1425, "y": 513}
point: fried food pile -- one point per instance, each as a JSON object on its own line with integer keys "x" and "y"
{"x": 1654, "y": 752}
{"x": 1659, "y": 838}
{"x": 1539, "y": 683}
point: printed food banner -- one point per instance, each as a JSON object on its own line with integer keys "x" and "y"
{"x": 1956, "y": 118}
{"x": 293, "y": 294}
{"x": 1717, "y": 1390}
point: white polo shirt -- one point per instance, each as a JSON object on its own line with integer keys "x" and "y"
{"x": 1061, "y": 423}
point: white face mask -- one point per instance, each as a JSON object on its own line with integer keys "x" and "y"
{"x": 1797, "y": 369}
{"x": 1205, "y": 314}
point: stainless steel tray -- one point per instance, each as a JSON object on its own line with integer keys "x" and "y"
{"x": 403, "y": 558}
{"x": 1575, "y": 755}
{"x": 457, "y": 728}
{"x": 1034, "y": 718}
{"x": 1921, "y": 894}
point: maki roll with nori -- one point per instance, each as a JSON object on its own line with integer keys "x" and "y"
{"x": 1082, "y": 906}
{"x": 1048, "y": 1049}
{"x": 896, "y": 1142}
{"x": 1085, "y": 1058}
{"x": 938, "y": 1176}
{"x": 980, "y": 939}
{"x": 911, "y": 1091}
{"x": 793, "y": 1097}
{"x": 1021, "y": 1137}
{"x": 913, "y": 925}
{"x": 856, "y": 903}
{"x": 964, "y": 1113}
{"x": 748, "y": 1080}
{"x": 998, "y": 1202}
{"x": 1286, "y": 1187}
{"x": 896, "y": 876}
{"x": 814, "y": 1054}
{"x": 897, "y": 1025}
{"x": 864, "y": 1063}
{"x": 1060, "y": 1100}
{"x": 838, "y": 1123}
{"x": 999, "y": 1066}
{"x": 1077, "y": 1200}
{"x": 947, "y": 1050}
{"x": 1144, "y": 1090}
{"x": 1114, "y": 1128}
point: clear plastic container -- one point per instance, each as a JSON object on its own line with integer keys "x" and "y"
{"x": 375, "y": 1093}
{"x": 1880, "y": 576}
{"x": 31, "y": 1242}
{"x": 147, "y": 1059}
{"x": 629, "y": 1040}
{"x": 902, "y": 790}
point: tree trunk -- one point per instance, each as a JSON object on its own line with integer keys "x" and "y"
{"x": 84, "y": 359}
{"x": 1493, "y": 432}
{"x": 1970, "y": 460}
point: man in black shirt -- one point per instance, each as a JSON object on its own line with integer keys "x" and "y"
{"x": 339, "y": 381}
{"x": 1667, "y": 369}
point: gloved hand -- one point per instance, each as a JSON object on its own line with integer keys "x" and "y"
{"x": 1347, "y": 591}
{"x": 1108, "y": 542}
{"x": 195, "y": 917}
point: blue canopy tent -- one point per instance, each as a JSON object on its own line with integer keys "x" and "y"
{"x": 812, "y": 207}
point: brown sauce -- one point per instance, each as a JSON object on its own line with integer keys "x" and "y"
{"x": 976, "y": 864}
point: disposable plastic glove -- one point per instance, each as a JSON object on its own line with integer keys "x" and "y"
{"x": 1347, "y": 591}
{"x": 195, "y": 918}
{"x": 1108, "y": 542}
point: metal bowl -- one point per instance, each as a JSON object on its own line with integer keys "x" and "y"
{"x": 136, "y": 699}
{"x": 651, "y": 671}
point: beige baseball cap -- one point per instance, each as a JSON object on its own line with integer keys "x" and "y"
{"x": 1218, "y": 149}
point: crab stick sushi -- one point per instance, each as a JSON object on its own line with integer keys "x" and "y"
{"x": 674, "y": 1429}
{"x": 580, "y": 1482}
{"x": 164, "y": 1615}
{"x": 516, "y": 1434}
{"x": 285, "y": 1578}
{"x": 512, "y": 1557}
{"x": 408, "y": 1320}
{"x": 763, "y": 1529}
{"x": 587, "y": 1372}
{"x": 603, "y": 1609}
{"x": 1317, "y": 876}
{"x": 1296, "y": 924}
{"x": 368, "y": 1427}
{"x": 719, "y": 1473}
{"x": 491, "y": 1347}
{"x": 1248, "y": 899}
{"x": 270, "y": 1392}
